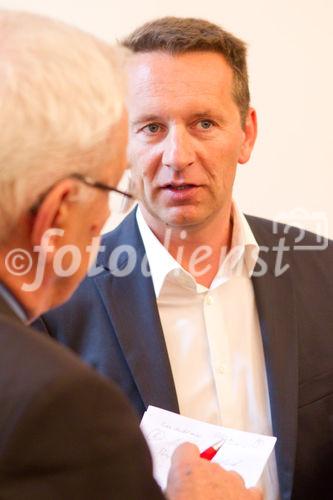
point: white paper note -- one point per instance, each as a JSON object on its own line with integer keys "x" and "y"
{"x": 243, "y": 452}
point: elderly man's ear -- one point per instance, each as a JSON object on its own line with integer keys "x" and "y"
{"x": 55, "y": 211}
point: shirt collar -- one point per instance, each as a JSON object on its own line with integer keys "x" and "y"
{"x": 13, "y": 303}
{"x": 244, "y": 249}
{"x": 161, "y": 262}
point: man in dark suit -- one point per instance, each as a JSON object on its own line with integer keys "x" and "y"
{"x": 65, "y": 431}
{"x": 244, "y": 340}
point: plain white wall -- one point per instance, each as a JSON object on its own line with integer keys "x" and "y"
{"x": 290, "y": 61}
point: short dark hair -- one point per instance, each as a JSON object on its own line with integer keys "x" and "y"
{"x": 176, "y": 35}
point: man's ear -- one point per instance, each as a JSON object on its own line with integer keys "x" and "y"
{"x": 54, "y": 211}
{"x": 250, "y": 134}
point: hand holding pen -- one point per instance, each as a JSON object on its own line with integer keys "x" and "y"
{"x": 191, "y": 478}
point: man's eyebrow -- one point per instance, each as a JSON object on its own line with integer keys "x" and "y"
{"x": 207, "y": 114}
{"x": 144, "y": 119}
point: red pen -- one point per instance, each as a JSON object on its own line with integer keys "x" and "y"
{"x": 210, "y": 452}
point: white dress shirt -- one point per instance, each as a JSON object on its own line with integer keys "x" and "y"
{"x": 213, "y": 338}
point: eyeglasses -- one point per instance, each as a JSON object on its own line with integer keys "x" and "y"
{"x": 127, "y": 202}
{"x": 100, "y": 185}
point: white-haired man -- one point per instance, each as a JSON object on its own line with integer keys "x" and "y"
{"x": 65, "y": 432}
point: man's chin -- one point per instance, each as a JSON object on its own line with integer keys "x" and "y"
{"x": 178, "y": 217}
{"x": 181, "y": 217}
{"x": 65, "y": 288}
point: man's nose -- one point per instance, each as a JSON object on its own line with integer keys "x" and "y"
{"x": 178, "y": 151}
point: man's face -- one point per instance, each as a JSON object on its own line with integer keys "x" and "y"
{"x": 185, "y": 137}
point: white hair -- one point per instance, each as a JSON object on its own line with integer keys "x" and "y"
{"x": 61, "y": 90}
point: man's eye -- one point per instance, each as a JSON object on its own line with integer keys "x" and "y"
{"x": 152, "y": 128}
{"x": 205, "y": 124}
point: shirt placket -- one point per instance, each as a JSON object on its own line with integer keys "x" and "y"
{"x": 218, "y": 347}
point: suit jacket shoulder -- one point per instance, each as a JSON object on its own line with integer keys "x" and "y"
{"x": 65, "y": 431}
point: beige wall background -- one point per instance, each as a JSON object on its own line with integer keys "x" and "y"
{"x": 290, "y": 43}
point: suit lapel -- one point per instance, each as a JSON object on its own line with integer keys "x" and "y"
{"x": 136, "y": 320}
{"x": 275, "y": 304}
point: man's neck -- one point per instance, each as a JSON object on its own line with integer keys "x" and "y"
{"x": 33, "y": 302}
{"x": 200, "y": 249}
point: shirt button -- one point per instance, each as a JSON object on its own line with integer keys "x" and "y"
{"x": 209, "y": 300}
{"x": 221, "y": 369}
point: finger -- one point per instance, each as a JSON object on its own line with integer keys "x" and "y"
{"x": 186, "y": 452}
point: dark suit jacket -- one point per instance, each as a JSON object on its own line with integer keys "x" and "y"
{"x": 113, "y": 323}
{"x": 66, "y": 433}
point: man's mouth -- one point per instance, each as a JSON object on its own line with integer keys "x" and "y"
{"x": 179, "y": 187}
{"x": 180, "y": 193}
